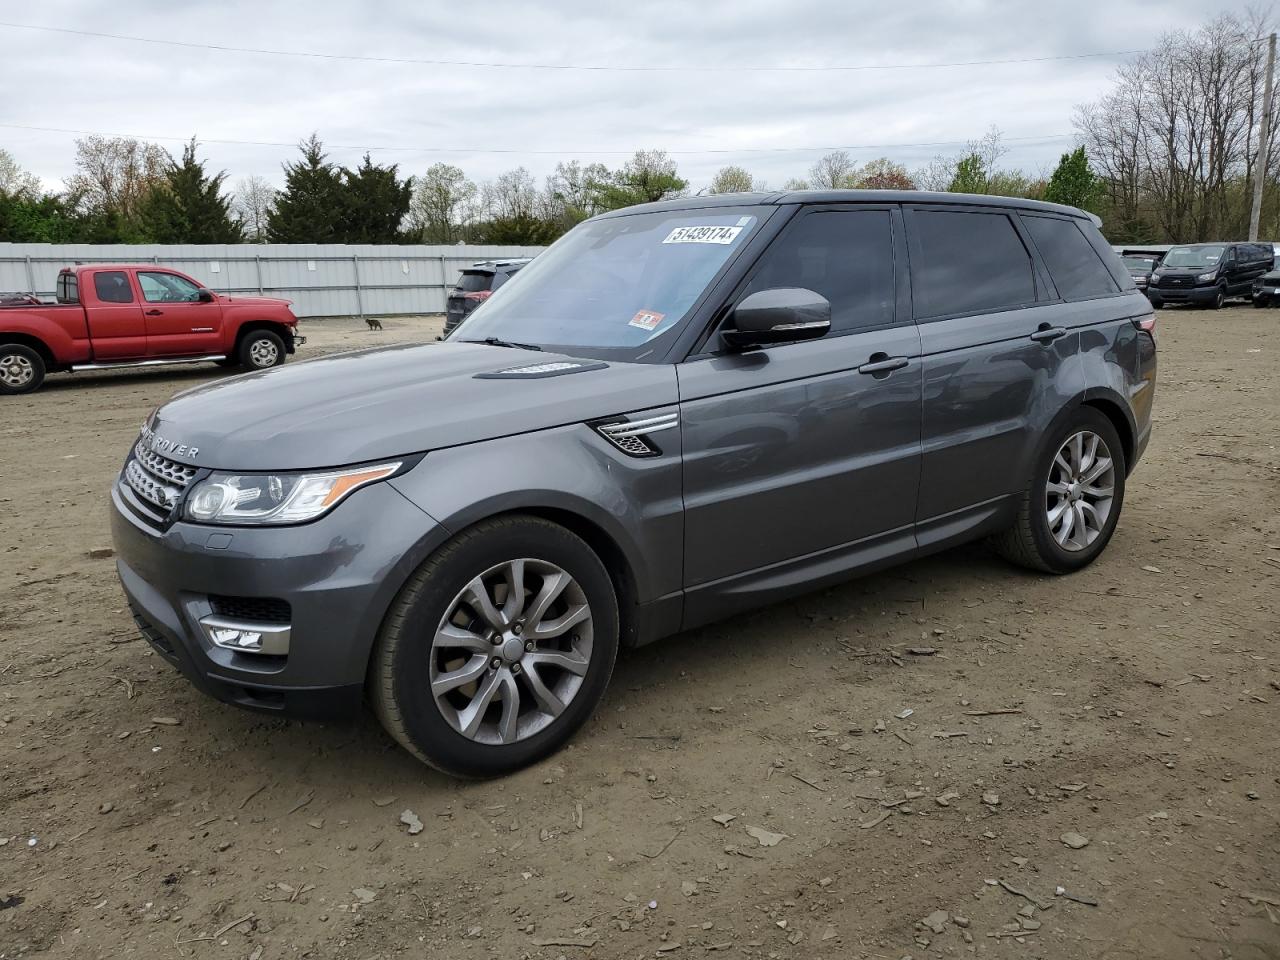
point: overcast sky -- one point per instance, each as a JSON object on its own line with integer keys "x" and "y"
{"x": 430, "y": 113}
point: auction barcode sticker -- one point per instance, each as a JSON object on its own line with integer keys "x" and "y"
{"x": 706, "y": 234}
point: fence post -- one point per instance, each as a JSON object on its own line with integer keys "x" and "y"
{"x": 444, "y": 284}
{"x": 31, "y": 276}
{"x": 355, "y": 263}
{"x": 257, "y": 262}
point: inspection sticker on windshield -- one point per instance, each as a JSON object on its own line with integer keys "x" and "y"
{"x": 646, "y": 320}
{"x": 703, "y": 235}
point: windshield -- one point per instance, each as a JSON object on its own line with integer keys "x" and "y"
{"x": 1193, "y": 258}
{"x": 1140, "y": 264}
{"x": 617, "y": 287}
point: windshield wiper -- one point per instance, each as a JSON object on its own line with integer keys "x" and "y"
{"x": 497, "y": 342}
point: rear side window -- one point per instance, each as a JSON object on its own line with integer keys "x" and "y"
{"x": 112, "y": 286}
{"x": 68, "y": 290}
{"x": 1077, "y": 270}
{"x": 845, "y": 255}
{"x": 474, "y": 282}
{"x": 969, "y": 262}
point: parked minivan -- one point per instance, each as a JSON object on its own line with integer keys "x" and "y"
{"x": 680, "y": 411}
{"x": 1208, "y": 273}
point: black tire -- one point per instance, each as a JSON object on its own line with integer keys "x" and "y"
{"x": 1219, "y": 298}
{"x": 399, "y": 687}
{"x": 22, "y": 369}
{"x": 261, "y": 350}
{"x": 1029, "y": 542}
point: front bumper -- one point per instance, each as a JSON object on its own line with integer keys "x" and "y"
{"x": 337, "y": 574}
{"x": 1199, "y": 295}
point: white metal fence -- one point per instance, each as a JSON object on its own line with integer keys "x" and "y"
{"x": 323, "y": 280}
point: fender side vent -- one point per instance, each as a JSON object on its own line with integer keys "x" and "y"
{"x": 632, "y": 437}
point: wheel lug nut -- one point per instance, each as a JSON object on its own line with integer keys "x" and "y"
{"x": 515, "y": 669}
{"x": 496, "y": 663}
{"x": 517, "y": 629}
{"x": 528, "y": 647}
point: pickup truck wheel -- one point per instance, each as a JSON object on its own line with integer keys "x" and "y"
{"x": 261, "y": 350}
{"x": 21, "y": 368}
{"x": 1069, "y": 511}
{"x": 498, "y": 649}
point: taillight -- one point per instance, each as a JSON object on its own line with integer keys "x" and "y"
{"x": 1147, "y": 323}
{"x": 478, "y": 295}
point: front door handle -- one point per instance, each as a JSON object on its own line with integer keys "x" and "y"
{"x": 1047, "y": 334}
{"x": 155, "y": 313}
{"x": 883, "y": 363}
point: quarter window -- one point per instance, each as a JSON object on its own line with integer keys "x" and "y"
{"x": 112, "y": 286}
{"x": 1077, "y": 270}
{"x": 970, "y": 262}
{"x": 167, "y": 288}
{"x": 845, "y": 255}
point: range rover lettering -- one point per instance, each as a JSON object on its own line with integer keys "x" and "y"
{"x": 681, "y": 411}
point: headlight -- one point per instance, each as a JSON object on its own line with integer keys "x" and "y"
{"x": 261, "y": 498}
{"x": 1205, "y": 277}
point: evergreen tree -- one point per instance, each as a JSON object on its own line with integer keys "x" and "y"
{"x": 310, "y": 209}
{"x": 188, "y": 205}
{"x": 1073, "y": 182}
{"x": 648, "y": 176}
{"x": 375, "y": 203}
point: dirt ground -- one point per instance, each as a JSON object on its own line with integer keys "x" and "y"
{"x": 929, "y": 804}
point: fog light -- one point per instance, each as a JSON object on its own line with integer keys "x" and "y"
{"x": 242, "y": 636}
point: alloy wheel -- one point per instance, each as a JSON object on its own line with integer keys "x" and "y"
{"x": 16, "y": 370}
{"x": 1080, "y": 491}
{"x": 511, "y": 651}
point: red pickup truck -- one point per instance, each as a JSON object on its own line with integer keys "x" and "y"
{"x": 113, "y": 315}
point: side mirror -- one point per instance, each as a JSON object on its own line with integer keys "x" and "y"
{"x": 206, "y": 295}
{"x": 780, "y": 315}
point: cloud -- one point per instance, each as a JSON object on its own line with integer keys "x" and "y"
{"x": 455, "y": 113}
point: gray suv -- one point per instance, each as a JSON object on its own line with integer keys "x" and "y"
{"x": 679, "y": 411}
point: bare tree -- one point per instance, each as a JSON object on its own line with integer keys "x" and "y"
{"x": 14, "y": 180}
{"x": 252, "y": 203}
{"x": 443, "y": 201}
{"x": 1175, "y": 139}
{"x": 114, "y": 174}
{"x": 834, "y": 171}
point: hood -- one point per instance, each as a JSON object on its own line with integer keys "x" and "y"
{"x": 393, "y": 401}
{"x": 255, "y": 301}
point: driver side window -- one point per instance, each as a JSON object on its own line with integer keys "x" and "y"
{"x": 167, "y": 288}
{"x": 845, "y": 255}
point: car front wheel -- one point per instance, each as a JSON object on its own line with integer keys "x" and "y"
{"x": 261, "y": 350}
{"x": 498, "y": 649}
{"x": 1069, "y": 511}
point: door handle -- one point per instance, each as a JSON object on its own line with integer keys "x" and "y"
{"x": 155, "y": 313}
{"x": 882, "y": 363}
{"x": 1048, "y": 334}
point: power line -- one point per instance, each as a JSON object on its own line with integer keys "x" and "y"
{"x": 692, "y": 68}
{"x": 1044, "y": 138}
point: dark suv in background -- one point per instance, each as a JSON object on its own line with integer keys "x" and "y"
{"x": 680, "y": 411}
{"x": 475, "y": 285}
{"x": 1208, "y": 273}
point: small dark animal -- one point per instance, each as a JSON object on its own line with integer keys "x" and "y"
{"x": 373, "y": 322}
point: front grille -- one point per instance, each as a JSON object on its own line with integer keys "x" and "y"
{"x": 157, "y": 480}
{"x": 255, "y": 609}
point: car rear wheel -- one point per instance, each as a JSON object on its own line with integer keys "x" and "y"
{"x": 1069, "y": 511}
{"x": 498, "y": 649}
{"x": 21, "y": 368}
{"x": 261, "y": 350}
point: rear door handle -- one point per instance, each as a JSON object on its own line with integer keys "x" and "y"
{"x": 880, "y": 363}
{"x": 155, "y": 313}
{"x": 1048, "y": 334}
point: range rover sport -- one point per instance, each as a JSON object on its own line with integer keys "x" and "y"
{"x": 679, "y": 411}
